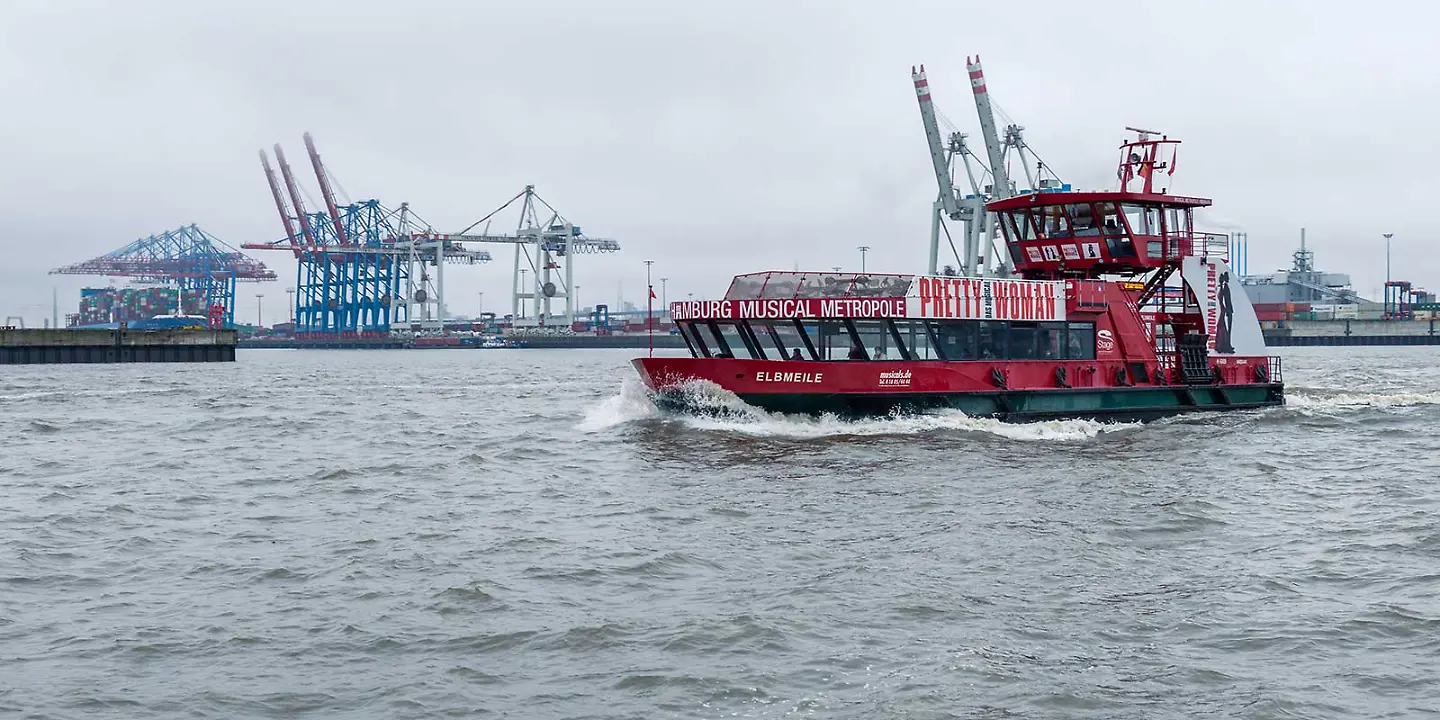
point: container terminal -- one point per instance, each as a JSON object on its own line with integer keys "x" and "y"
{"x": 372, "y": 275}
{"x": 1306, "y": 306}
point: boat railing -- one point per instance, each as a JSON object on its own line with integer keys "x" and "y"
{"x": 1180, "y": 245}
{"x": 1275, "y": 368}
{"x": 1169, "y": 361}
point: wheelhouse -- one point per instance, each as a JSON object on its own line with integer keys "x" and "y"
{"x": 1059, "y": 235}
{"x": 1129, "y": 231}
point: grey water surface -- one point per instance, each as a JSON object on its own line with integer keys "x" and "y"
{"x": 497, "y": 533}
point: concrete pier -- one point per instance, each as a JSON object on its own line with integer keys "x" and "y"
{"x": 1299, "y": 333}
{"x": 34, "y": 347}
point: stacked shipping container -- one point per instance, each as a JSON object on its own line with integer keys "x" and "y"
{"x": 105, "y": 305}
{"x": 1270, "y": 312}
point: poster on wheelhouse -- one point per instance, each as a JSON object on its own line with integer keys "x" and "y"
{"x": 1230, "y": 320}
{"x": 962, "y": 298}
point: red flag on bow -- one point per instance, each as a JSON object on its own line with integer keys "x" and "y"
{"x": 652, "y": 292}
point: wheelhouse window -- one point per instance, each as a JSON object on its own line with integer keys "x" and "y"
{"x": 1110, "y": 223}
{"x": 1084, "y": 217}
{"x": 1177, "y": 221}
{"x": 1020, "y": 225}
{"x": 1057, "y": 223}
{"x": 1142, "y": 219}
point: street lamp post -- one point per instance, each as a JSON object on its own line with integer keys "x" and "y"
{"x": 863, "y": 249}
{"x": 290, "y": 298}
{"x": 664, "y": 298}
{"x": 1387, "y": 256}
{"x": 650, "y": 306}
{"x": 259, "y": 316}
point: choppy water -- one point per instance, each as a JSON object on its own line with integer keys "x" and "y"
{"x": 518, "y": 534}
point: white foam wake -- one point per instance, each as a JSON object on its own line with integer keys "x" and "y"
{"x": 1325, "y": 400}
{"x": 718, "y": 410}
{"x": 631, "y": 404}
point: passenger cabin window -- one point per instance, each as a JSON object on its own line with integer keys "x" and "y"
{"x": 876, "y": 340}
{"x": 1022, "y": 341}
{"x": 834, "y": 342}
{"x": 902, "y": 339}
{"x": 726, "y": 340}
{"x": 918, "y": 339}
{"x": 783, "y": 338}
{"x": 1080, "y": 344}
{"x": 1050, "y": 341}
{"x": 956, "y": 340}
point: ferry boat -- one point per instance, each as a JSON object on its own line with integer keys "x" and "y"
{"x": 1119, "y": 310}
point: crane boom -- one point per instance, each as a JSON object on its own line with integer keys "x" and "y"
{"x": 932, "y": 136}
{"x": 993, "y": 148}
{"x": 280, "y": 203}
{"x": 295, "y": 197}
{"x": 330, "y": 206}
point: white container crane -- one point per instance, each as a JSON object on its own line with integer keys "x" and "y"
{"x": 982, "y": 254}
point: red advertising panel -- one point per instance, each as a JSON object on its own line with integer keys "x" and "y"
{"x": 949, "y": 298}
{"x": 780, "y": 309}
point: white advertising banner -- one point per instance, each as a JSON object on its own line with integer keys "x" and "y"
{"x": 958, "y": 298}
{"x": 1229, "y": 318}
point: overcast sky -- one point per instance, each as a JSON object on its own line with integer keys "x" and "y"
{"x": 713, "y": 138}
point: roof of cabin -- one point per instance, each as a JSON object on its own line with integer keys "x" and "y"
{"x": 1046, "y": 199}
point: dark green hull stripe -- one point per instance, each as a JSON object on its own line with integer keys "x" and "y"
{"x": 1132, "y": 403}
